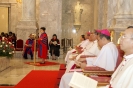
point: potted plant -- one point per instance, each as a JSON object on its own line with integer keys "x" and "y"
{"x": 6, "y": 48}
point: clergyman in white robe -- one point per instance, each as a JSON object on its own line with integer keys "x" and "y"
{"x": 91, "y": 49}
{"x": 106, "y": 59}
{"x": 123, "y": 76}
{"x": 108, "y": 51}
{"x": 83, "y": 44}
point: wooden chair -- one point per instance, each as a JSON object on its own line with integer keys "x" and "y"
{"x": 69, "y": 43}
{"x": 63, "y": 44}
{"x": 19, "y": 45}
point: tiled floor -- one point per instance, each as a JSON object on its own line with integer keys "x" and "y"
{"x": 18, "y": 70}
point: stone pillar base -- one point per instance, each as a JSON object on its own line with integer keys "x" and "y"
{"x": 25, "y": 28}
{"x": 4, "y": 63}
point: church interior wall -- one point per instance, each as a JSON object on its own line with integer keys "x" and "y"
{"x": 58, "y": 16}
{"x": 50, "y": 15}
{"x": 87, "y": 18}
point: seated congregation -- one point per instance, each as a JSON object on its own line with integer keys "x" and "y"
{"x": 11, "y": 37}
{"x": 97, "y": 55}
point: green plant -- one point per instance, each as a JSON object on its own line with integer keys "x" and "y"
{"x": 6, "y": 48}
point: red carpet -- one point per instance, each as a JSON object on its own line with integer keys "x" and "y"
{"x": 47, "y": 63}
{"x": 6, "y": 86}
{"x": 38, "y": 79}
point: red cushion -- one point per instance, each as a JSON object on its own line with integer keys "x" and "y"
{"x": 94, "y": 69}
{"x": 19, "y": 43}
{"x": 102, "y": 79}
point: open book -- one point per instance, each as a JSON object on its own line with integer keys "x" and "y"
{"x": 81, "y": 81}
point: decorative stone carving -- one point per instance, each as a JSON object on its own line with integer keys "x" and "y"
{"x": 77, "y": 16}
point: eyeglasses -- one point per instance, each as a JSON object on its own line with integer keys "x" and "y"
{"x": 124, "y": 36}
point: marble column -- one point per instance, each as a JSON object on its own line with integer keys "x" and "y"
{"x": 123, "y": 16}
{"x": 27, "y": 24}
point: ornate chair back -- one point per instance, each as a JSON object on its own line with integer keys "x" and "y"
{"x": 19, "y": 45}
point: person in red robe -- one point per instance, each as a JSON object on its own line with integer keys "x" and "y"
{"x": 43, "y": 45}
{"x": 29, "y": 47}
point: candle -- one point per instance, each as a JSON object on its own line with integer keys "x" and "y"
{"x": 3, "y": 42}
{"x": 0, "y": 45}
{"x": 3, "y": 50}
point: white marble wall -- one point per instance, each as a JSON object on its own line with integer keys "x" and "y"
{"x": 50, "y": 16}
{"x": 27, "y": 24}
{"x": 29, "y": 10}
{"x": 102, "y": 14}
{"x": 87, "y": 18}
{"x": 120, "y": 16}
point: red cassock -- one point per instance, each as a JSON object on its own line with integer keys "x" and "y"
{"x": 43, "y": 46}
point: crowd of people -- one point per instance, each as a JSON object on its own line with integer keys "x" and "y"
{"x": 11, "y": 37}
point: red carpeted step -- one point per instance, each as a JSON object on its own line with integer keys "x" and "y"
{"x": 6, "y": 86}
{"x": 61, "y": 73}
{"x": 39, "y": 79}
{"x": 62, "y": 67}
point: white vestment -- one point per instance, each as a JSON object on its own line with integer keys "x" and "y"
{"x": 91, "y": 49}
{"x": 106, "y": 59}
{"x": 123, "y": 76}
{"x": 108, "y": 51}
{"x": 65, "y": 80}
{"x": 83, "y": 44}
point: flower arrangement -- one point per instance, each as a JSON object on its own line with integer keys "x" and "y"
{"x": 6, "y": 48}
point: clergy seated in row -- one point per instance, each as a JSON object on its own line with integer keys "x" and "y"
{"x": 106, "y": 58}
{"x": 29, "y": 47}
{"x": 91, "y": 49}
{"x": 84, "y": 42}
